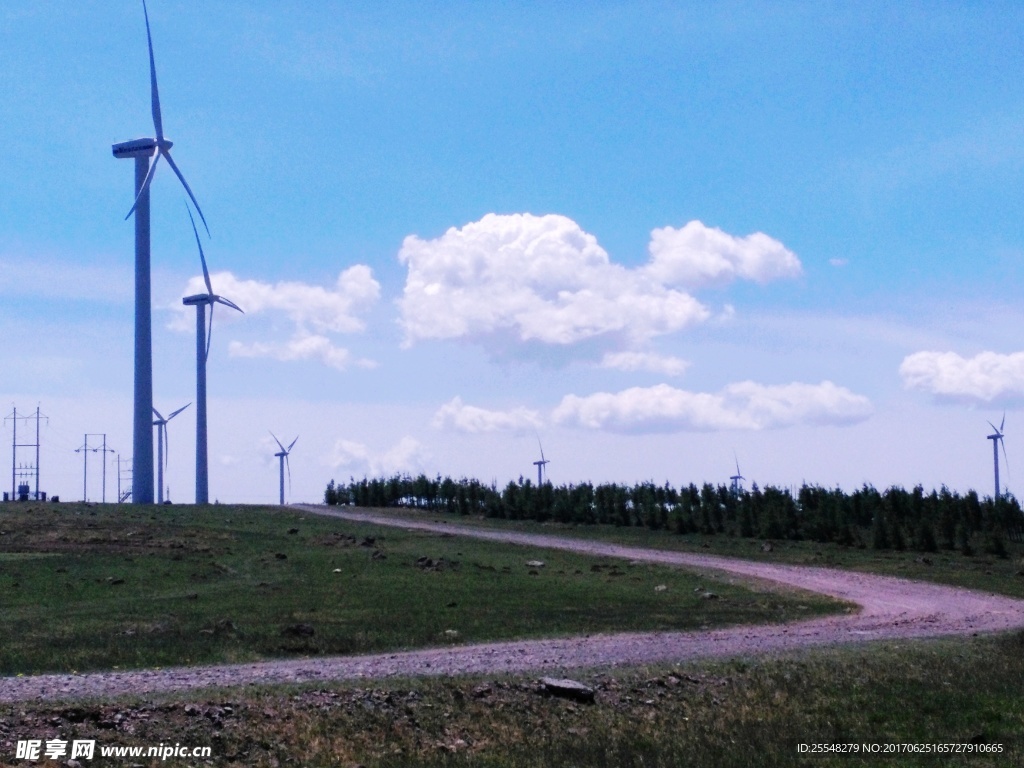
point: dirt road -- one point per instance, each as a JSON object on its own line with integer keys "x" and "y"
{"x": 889, "y": 608}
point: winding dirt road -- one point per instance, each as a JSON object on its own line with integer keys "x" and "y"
{"x": 890, "y": 608}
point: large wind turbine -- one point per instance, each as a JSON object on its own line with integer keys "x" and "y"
{"x": 737, "y": 477}
{"x": 161, "y": 441}
{"x": 141, "y": 150}
{"x": 996, "y": 439}
{"x": 283, "y": 459}
{"x": 200, "y": 302}
{"x": 540, "y": 465}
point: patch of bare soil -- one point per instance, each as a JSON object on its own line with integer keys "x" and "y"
{"x": 890, "y": 608}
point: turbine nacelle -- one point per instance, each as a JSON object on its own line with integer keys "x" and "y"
{"x": 282, "y": 457}
{"x": 163, "y": 443}
{"x": 997, "y": 438}
{"x": 136, "y": 148}
{"x": 209, "y": 297}
{"x": 541, "y": 464}
{"x": 159, "y": 144}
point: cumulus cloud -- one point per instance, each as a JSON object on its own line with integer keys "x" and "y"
{"x": 746, "y": 405}
{"x": 697, "y": 255}
{"x": 985, "y": 378}
{"x": 542, "y": 278}
{"x": 302, "y": 347}
{"x": 407, "y": 455}
{"x": 469, "y": 418}
{"x": 310, "y": 307}
{"x": 313, "y": 310}
{"x": 645, "y": 361}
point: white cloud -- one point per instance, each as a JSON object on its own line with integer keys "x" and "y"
{"x": 542, "y": 278}
{"x": 311, "y": 347}
{"x": 310, "y": 307}
{"x": 697, "y": 255}
{"x": 838, "y": 262}
{"x": 745, "y": 405}
{"x": 539, "y": 277}
{"x": 406, "y": 456}
{"x": 469, "y": 418}
{"x": 645, "y": 361}
{"x": 986, "y": 377}
{"x": 313, "y": 310}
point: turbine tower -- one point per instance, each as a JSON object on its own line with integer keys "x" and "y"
{"x": 161, "y": 441}
{"x": 141, "y": 150}
{"x": 736, "y": 478}
{"x": 540, "y": 465}
{"x": 200, "y": 302}
{"x": 283, "y": 459}
{"x": 997, "y": 438}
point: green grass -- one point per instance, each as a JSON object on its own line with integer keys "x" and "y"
{"x": 980, "y": 571}
{"x": 740, "y": 713}
{"x": 95, "y": 587}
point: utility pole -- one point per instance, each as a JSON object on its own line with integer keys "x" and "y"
{"x": 24, "y": 471}
{"x": 14, "y": 450}
{"x": 84, "y": 450}
{"x": 105, "y": 452}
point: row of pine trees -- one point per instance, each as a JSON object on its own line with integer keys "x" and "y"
{"x": 895, "y": 519}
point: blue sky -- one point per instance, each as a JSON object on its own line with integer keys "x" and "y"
{"x": 650, "y": 234}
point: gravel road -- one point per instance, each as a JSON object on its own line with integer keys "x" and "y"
{"x": 890, "y": 608}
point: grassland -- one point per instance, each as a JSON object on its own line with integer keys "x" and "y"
{"x": 746, "y": 712}
{"x": 93, "y": 587}
{"x": 1004, "y": 575}
{"x": 732, "y": 714}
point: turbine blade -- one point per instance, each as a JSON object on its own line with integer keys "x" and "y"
{"x": 178, "y": 411}
{"x": 1006, "y": 460}
{"x": 228, "y": 303}
{"x": 278, "y": 442}
{"x": 289, "y": 465}
{"x": 159, "y": 415}
{"x": 167, "y": 448}
{"x": 158, "y": 123}
{"x": 994, "y": 428}
{"x": 188, "y": 189}
{"x": 145, "y": 185}
{"x": 292, "y": 445}
{"x": 202, "y": 256}
{"x": 1003, "y": 422}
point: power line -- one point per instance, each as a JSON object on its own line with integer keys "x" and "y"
{"x": 24, "y": 471}
{"x": 85, "y": 450}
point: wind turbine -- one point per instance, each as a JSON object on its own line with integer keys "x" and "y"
{"x": 540, "y": 465}
{"x": 996, "y": 439}
{"x": 161, "y": 440}
{"x": 737, "y": 477}
{"x": 141, "y": 150}
{"x": 283, "y": 459}
{"x": 200, "y": 302}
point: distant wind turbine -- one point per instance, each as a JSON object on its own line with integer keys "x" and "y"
{"x": 163, "y": 447}
{"x": 283, "y": 459}
{"x": 996, "y": 439}
{"x": 737, "y": 477}
{"x": 540, "y": 465}
{"x": 200, "y": 302}
{"x": 141, "y": 150}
